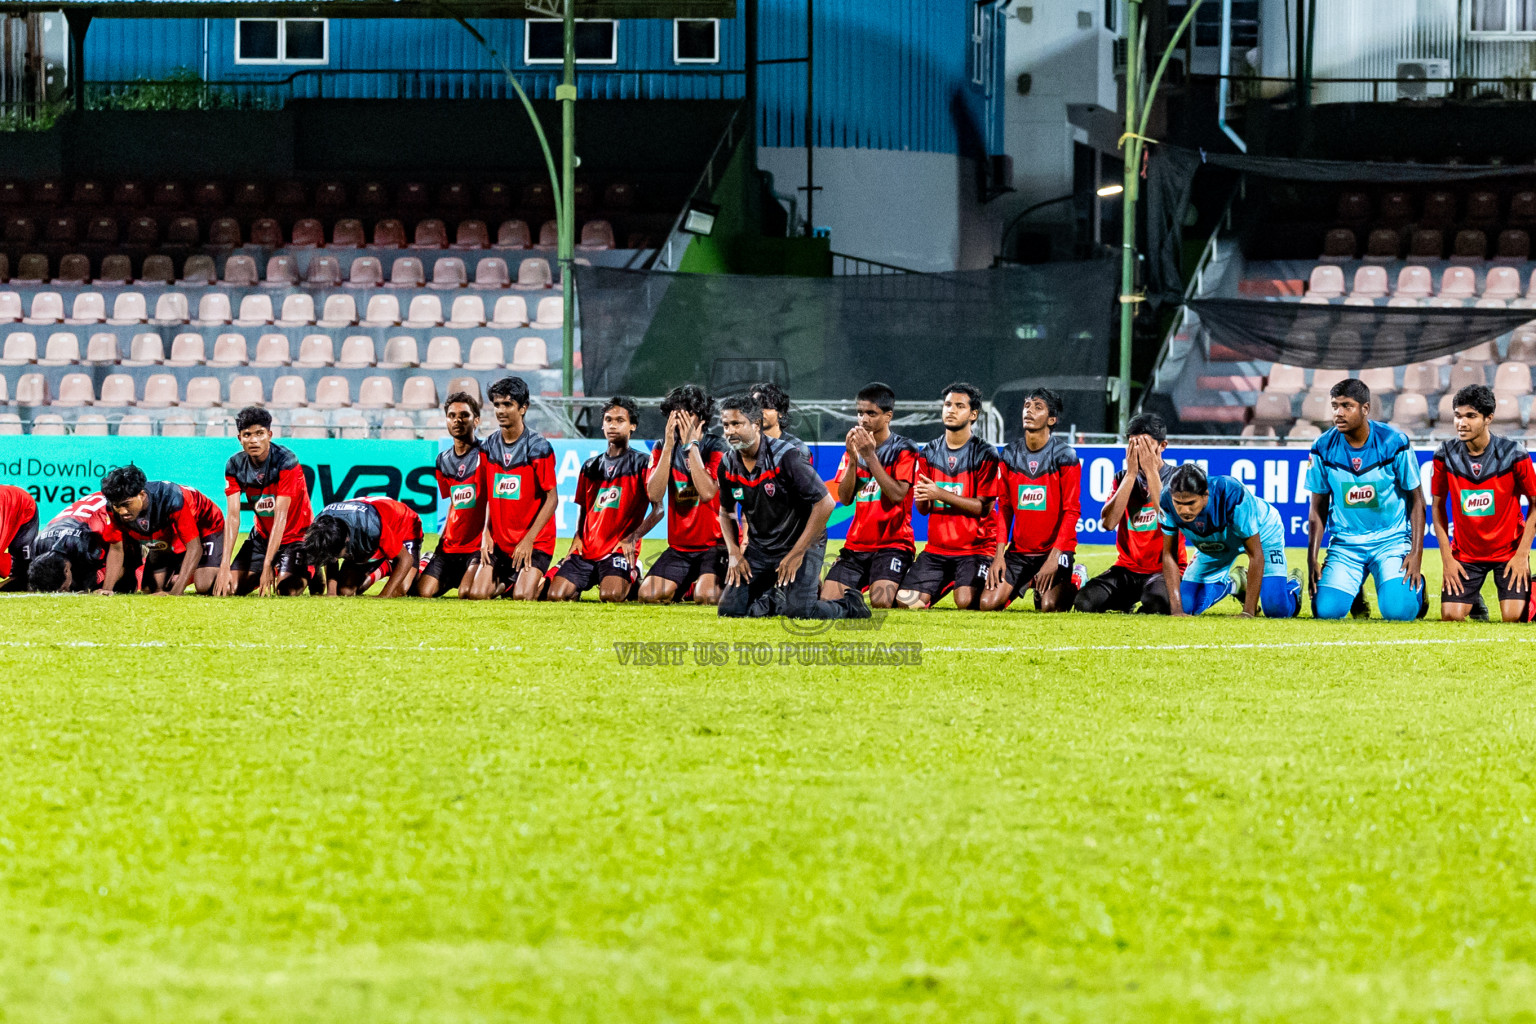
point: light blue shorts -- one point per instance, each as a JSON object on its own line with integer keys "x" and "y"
{"x": 1348, "y": 566}
{"x": 1204, "y": 568}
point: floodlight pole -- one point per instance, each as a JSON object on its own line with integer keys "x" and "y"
{"x": 566, "y": 205}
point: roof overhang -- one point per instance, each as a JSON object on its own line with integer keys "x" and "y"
{"x": 627, "y": 9}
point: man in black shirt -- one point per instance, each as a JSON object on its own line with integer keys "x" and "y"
{"x": 786, "y": 507}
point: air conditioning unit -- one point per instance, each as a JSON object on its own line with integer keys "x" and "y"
{"x": 1425, "y": 79}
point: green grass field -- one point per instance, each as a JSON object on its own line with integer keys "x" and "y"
{"x": 283, "y": 811}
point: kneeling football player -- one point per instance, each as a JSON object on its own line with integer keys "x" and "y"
{"x": 611, "y": 503}
{"x": 683, "y": 470}
{"x": 180, "y": 529}
{"x": 18, "y": 529}
{"x": 364, "y": 535}
{"x": 70, "y": 552}
{"x": 1223, "y": 519}
{"x": 453, "y": 564}
{"x": 517, "y": 475}
{"x": 269, "y": 479}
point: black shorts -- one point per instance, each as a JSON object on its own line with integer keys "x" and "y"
{"x": 501, "y": 565}
{"x": 1119, "y": 589}
{"x": 165, "y": 558}
{"x": 936, "y": 575}
{"x": 685, "y": 567}
{"x": 1022, "y": 569}
{"x": 585, "y": 573}
{"x": 859, "y": 570}
{"x": 1477, "y": 572}
{"x": 449, "y": 568}
{"x": 411, "y": 547}
{"x": 20, "y": 549}
{"x": 287, "y": 561}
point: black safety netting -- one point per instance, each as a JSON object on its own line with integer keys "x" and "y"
{"x": 822, "y": 338}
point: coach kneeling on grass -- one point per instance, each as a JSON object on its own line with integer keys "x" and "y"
{"x": 777, "y": 569}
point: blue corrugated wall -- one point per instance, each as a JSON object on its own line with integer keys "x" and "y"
{"x": 889, "y": 75}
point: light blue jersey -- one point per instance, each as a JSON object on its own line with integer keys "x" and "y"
{"x": 1366, "y": 486}
{"x": 1220, "y": 532}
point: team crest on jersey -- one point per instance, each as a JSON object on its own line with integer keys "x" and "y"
{"x": 952, "y": 461}
{"x": 608, "y": 497}
{"x": 1031, "y": 498}
{"x": 1361, "y": 496}
{"x": 1034, "y": 464}
{"x": 463, "y": 468}
{"x": 1477, "y": 503}
{"x": 266, "y": 505}
{"x": 508, "y": 486}
{"x": 463, "y": 496}
{"x": 1477, "y": 469}
{"x": 768, "y": 488}
{"x": 1356, "y": 463}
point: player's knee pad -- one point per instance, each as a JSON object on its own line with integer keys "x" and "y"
{"x": 1280, "y": 598}
{"x": 1398, "y": 601}
{"x": 1331, "y": 604}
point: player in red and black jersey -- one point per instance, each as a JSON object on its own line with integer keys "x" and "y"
{"x": 1136, "y": 578}
{"x": 1484, "y": 476}
{"x": 18, "y": 529}
{"x": 1040, "y": 500}
{"x": 517, "y": 474}
{"x": 457, "y": 557}
{"x": 70, "y": 552}
{"x": 363, "y": 535}
{"x": 774, "y": 402}
{"x": 956, "y": 488}
{"x": 180, "y": 528}
{"x": 682, "y": 473}
{"x": 268, "y": 478}
{"x": 611, "y": 502}
{"x": 876, "y": 478}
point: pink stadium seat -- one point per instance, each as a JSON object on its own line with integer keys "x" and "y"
{"x": 1513, "y": 245}
{"x": 1522, "y": 346}
{"x": 229, "y": 350}
{"x": 304, "y": 425}
{"x": 413, "y": 193}
{"x": 1315, "y": 408}
{"x": 443, "y": 354}
{"x": 102, "y": 350}
{"x": 298, "y": 310}
{"x": 47, "y": 308}
{"x": 495, "y": 195}
{"x": 1413, "y": 283}
{"x": 1324, "y": 380}
{"x": 1422, "y": 378}
{"x": 1326, "y": 283}
{"x": 143, "y": 233}
{"x": 1513, "y": 379}
{"x": 136, "y": 425}
{"x": 339, "y": 311}
{"x": 397, "y": 427}
{"x": 244, "y": 390}
{"x": 129, "y": 309}
{"x": 282, "y": 272}
{"x": 218, "y": 424}
{"x": 534, "y": 272}
{"x": 75, "y": 390}
{"x": 348, "y": 234}
{"x": 598, "y": 235}
{"x": 491, "y": 272}
{"x": 183, "y": 232}
{"x": 255, "y": 311}
{"x": 32, "y": 389}
{"x": 430, "y": 234}
{"x": 160, "y": 392}
{"x": 350, "y": 425}
{"x": 101, "y": 231}
{"x": 1491, "y": 304}
{"x": 91, "y": 424}
{"x": 1410, "y": 412}
{"x": 513, "y": 234}
{"x": 271, "y": 350}
{"x": 88, "y": 308}
{"x": 448, "y": 272}
{"x": 316, "y": 350}
{"x": 1370, "y": 283}
{"x": 619, "y": 195}
{"x": 198, "y": 271}
{"x": 425, "y": 311}
{"x": 551, "y": 312}
{"x": 1508, "y": 411}
{"x": 10, "y": 424}
{"x": 202, "y": 393}
{"x": 366, "y": 272}
{"x": 331, "y": 195}
{"x": 1466, "y": 375}
{"x": 187, "y": 350}
{"x": 240, "y": 271}
{"x": 1382, "y": 380}
{"x": 407, "y": 272}
{"x": 389, "y": 234}
{"x": 288, "y": 393}
{"x": 1502, "y": 283}
{"x": 356, "y": 353}
{"x": 510, "y": 311}
{"x": 376, "y": 393}
{"x": 332, "y": 392}
{"x": 32, "y": 269}
{"x": 1469, "y": 247}
{"x": 169, "y": 194}
{"x": 418, "y": 393}
{"x": 10, "y": 307}
{"x": 63, "y": 348}
{"x": 1479, "y": 353}
{"x": 307, "y": 234}
{"x": 1286, "y": 380}
{"x": 171, "y": 309}
{"x": 224, "y": 233}
{"x": 324, "y": 272}
{"x": 20, "y": 349}
{"x": 455, "y": 194}
{"x": 213, "y": 310}
{"x": 467, "y": 311}
{"x": 1482, "y": 209}
{"x": 549, "y": 235}
{"x": 530, "y": 353}
{"x": 267, "y": 233}
{"x": 399, "y": 352}
{"x": 487, "y": 353}
{"x": 49, "y": 424}
{"x": 74, "y": 268}
{"x": 1426, "y": 244}
{"x": 145, "y": 350}
{"x": 471, "y": 234}
{"x": 178, "y": 424}
{"x": 382, "y": 311}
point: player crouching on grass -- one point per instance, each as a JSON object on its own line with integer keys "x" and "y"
{"x": 70, "y": 552}
{"x": 1364, "y": 480}
{"x": 875, "y": 477}
{"x": 18, "y": 529}
{"x": 1222, "y": 519}
{"x": 1040, "y": 501}
{"x": 517, "y": 474}
{"x": 270, "y": 480}
{"x": 457, "y": 557}
{"x": 683, "y": 468}
{"x": 611, "y": 502}
{"x": 364, "y": 535}
{"x": 1484, "y": 476}
{"x": 180, "y": 528}
{"x": 776, "y": 570}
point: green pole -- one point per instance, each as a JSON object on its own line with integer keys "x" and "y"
{"x": 1128, "y": 207}
{"x": 565, "y": 206}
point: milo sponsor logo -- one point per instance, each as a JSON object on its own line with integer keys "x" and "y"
{"x": 1360, "y": 496}
{"x": 508, "y": 486}
{"x": 684, "y": 493}
{"x": 1031, "y": 498}
{"x": 869, "y": 492}
{"x": 608, "y": 497}
{"x": 266, "y": 505}
{"x": 1477, "y": 503}
{"x": 738, "y": 493}
{"x": 462, "y": 496}
{"x": 1145, "y": 521}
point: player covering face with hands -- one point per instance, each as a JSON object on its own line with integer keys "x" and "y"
{"x": 682, "y": 473}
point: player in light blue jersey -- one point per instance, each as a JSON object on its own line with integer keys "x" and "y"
{"x": 1221, "y": 519}
{"x": 1364, "y": 480}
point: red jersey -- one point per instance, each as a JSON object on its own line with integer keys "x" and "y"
{"x": 610, "y": 494}
{"x": 458, "y": 480}
{"x": 1041, "y": 496}
{"x": 515, "y": 478}
{"x": 277, "y": 477}
{"x": 1485, "y": 492}
{"x": 377, "y": 528}
{"x": 970, "y": 471}
{"x": 172, "y": 518}
{"x": 879, "y": 523}
{"x": 692, "y": 525}
{"x": 1138, "y": 540}
{"x": 17, "y": 509}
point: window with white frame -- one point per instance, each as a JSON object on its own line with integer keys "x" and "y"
{"x": 282, "y": 41}
{"x": 1502, "y": 17}
{"x": 597, "y": 41}
{"x": 695, "y": 41}
{"x": 981, "y": 44}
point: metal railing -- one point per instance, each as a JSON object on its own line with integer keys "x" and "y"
{"x": 844, "y": 265}
{"x": 670, "y": 253}
{"x": 1459, "y": 88}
